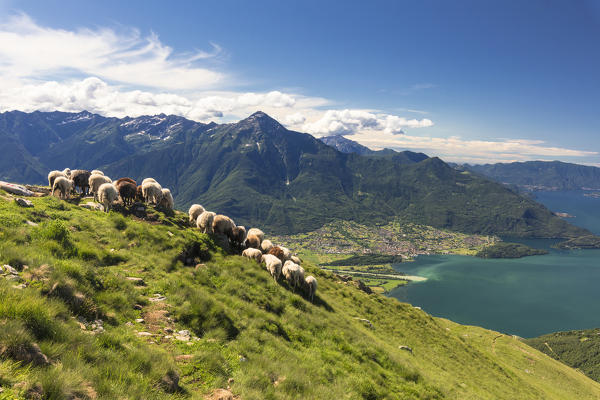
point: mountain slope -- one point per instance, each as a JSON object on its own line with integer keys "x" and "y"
{"x": 261, "y": 173}
{"x": 549, "y": 175}
{"x": 345, "y": 145}
{"x": 103, "y": 294}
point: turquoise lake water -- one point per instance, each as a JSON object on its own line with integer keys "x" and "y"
{"x": 529, "y": 296}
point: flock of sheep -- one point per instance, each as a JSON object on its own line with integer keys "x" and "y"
{"x": 105, "y": 191}
{"x": 278, "y": 260}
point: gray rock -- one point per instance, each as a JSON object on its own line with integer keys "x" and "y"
{"x": 170, "y": 382}
{"x": 136, "y": 281}
{"x": 30, "y": 223}
{"x": 23, "y": 202}
{"x": 10, "y": 270}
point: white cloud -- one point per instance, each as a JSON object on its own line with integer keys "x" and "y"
{"x": 294, "y": 119}
{"x": 457, "y": 149}
{"x": 30, "y": 51}
{"x": 344, "y": 122}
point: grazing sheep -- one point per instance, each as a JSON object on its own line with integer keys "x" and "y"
{"x": 152, "y": 192}
{"x": 67, "y": 172}
{"x": 299, "y": 276}
{"x": 223, "y": 225}
{"x": 287, "y": 254}
{"x": 205, "y": 221}
{"x": 257, "y": 232}
{"x": 273, "y": 265}
{"x": 296, "y": 260}
{"x": 277, "y": 252}
{"x": 252, "y": 241}
{"x": 194, "y": 212}
{"x": 81, "y": 177}
{"x": 148, "y": 180}
{"x": 139, "y": 194}
{"x": 107, "y": 194}
{"x": 238, "y": 237}
{"x": 127, "y": 191}
{"x": 63, "y": 185}
{"x": 293, "y": 273}
{"x": 95, "y": 181}
{"x": 266, "y": 245}
{"x": 97, "y": 172}
{"x": 125, "y": 180}
{"x": 52, "y": 175}
{"x": 310, "y": 287}
{"x": 253, "y": 254}
{"x": 167, "y": 200}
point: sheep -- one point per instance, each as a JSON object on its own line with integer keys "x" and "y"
{"x": 252, "y": 241}
{"x": 299, "y": 275}
{"x": 81, "y": 177}
{"x": 152, "y": 192}
{"x": 310, "y": 286}
{"x": 204, "y": 222}
{"x": 107, "y": 194}
{"x": 167, "y": 200}
{"x": 238, "y": 237}
{"x": 127, "y": 191}
{"x": 296, "y": 260}
{"x": 277, "y": 252}
{"x": 257, "y": 232}
{"x": 273, "y": 265}
{"x": 293, "y": 273}
{"x": 125, "y": 180}
{"x": 194, "y": 212}
{"x": 139, "y": 194}
{"x": 52, "y": 175}
{"x": 67, "y": 172}
{"x": 266, "y": 245}
{"x": 148, "y": 180}
{"x": 63, "y": 185}
{"x": 94, "y": 181}
{"x": 97, "y": 172}
{"x": 253, "y": 254}
{"x": 223, "y": 225}
{"x": 287, "y": 254}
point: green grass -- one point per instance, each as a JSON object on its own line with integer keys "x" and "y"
{"x": 247, "y": 331}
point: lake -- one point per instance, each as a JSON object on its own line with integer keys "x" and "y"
{"x": 529, "y": 296}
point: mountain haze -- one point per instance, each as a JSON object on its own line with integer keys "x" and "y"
{"x": 261, "y": 173}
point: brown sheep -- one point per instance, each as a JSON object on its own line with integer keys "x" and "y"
{"x": 139, "y": 194}
{"x": 223, "y": 225}
{"x": 277, "y": 252}
{"x": 125, "y": 180}
{"x": 253, "y": 241}
{"x": 238, "y": 236}
{"x": 127, "y": 191}
{"x": 80, "y": 177}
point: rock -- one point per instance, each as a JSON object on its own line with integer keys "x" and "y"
{"x": 184, "y": 357}
{"x": 157, "y": 297}
{"x": 129, "y": 323}
{"x": 360, "y": 285}
{"x": 31, "y": 353}
{"x": 366, "y": 321}
{"x": 10, "y": 270}
{"x": 402, "y": 347}
{"x": 36, "y": 392}
{"x": 137, "y": 307}
{"x": 144, "y": 334}
{"x": 183, "y": 335}
{"x": 221, "y": 394}
{"x": 170, "y": 382}
{"x": 20, "y": 286}
{"x": 136, "y": 281}
{"x": 170, "y": 233}
{"x": 92, "y": 206}
{"x": 15, "y": 189}
{"x": 23, "y": 202}
{"x": 168, "y": 330}
{"x": 139, "y": 320}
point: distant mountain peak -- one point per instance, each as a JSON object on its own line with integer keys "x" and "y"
{"x": 345, "y": 145}
{"x": 262, "y": 121}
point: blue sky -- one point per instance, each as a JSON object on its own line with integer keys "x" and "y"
{"x": 471, "y": 81}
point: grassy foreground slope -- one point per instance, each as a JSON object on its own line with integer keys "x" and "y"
{"x": 104, "y": 334}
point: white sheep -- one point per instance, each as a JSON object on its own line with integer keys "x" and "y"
{"x": 67, "y": 172}
{"x": 223, "y": 225}
{"x": 296, "y": 260}
{"x": 167, "y": 199}
{"x": 107, "y": 194}
{"x": 194, "y": 212}
{"x": 310, "y": 285}
{"x": 253, "y": 254}
{"x": 293, "y": 273}
{"x": 52, "y": 175}
{"x": 287, "y": 254}
{"x": 147, "y": 180}
{"x": 273, "y": 265}
{"x": 95, "y": 181}
{"x": 152, "y": 192}
{"x": 266, "y": 245}
{"x": 63, "y": 185}
{"x": 97, "y": 172}
{"x": 204, "y": 222}
{"x": 257, "y": 232}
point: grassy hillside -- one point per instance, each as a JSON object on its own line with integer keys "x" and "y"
{"x": 578, "y": 349}
{"x": 100, "y": 305}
